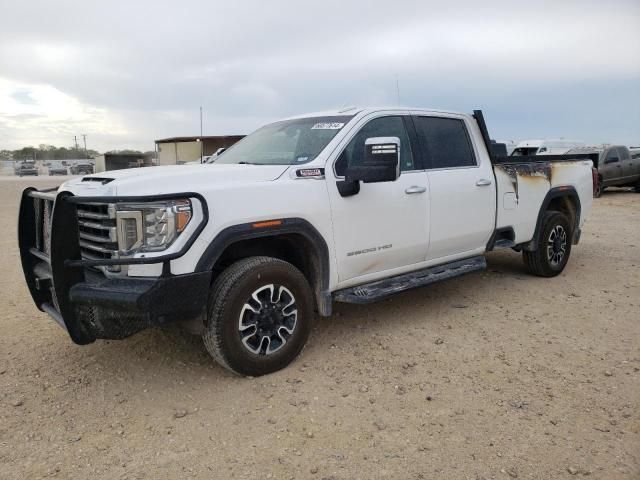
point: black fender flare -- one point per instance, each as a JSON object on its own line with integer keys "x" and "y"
{"x": 252, "y": 230}
{"x": 556, "y": 192}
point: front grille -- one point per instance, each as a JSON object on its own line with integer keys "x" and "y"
{"x": 97, "y": 231}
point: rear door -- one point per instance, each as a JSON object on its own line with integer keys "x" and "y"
{"x": 462, "y": 200}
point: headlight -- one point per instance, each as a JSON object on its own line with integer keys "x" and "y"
{"x": 151, "y": 227}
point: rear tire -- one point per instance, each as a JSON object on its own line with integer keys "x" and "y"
{"x": 260, "y": 314}
{"x": 554, "y": 246}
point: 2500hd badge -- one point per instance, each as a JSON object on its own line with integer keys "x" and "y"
{"x": 369, "y": 250}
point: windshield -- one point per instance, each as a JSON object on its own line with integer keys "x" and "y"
{"x": 290, "y": 142}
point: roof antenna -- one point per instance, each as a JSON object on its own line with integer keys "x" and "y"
{"x": 398, "y": 89}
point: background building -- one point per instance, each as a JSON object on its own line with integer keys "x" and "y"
{"x": 118, "y": 161}
{"x": 177, "y": 150}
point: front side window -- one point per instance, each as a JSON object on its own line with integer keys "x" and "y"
{"x": 445, "y": 142}
{"x": 612, "y": 155}
{"x": 353, "y": 154}
{"x": 290, "y": 142}
{"x": 623, "y": 153}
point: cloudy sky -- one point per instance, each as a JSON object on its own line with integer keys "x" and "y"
{"x": 128, "y": 72}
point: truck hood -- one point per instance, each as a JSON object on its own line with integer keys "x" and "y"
{"x": 170, "y": 179}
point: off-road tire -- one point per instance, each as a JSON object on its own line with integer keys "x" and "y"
{"x": 231, "y": 291}
{"x": 538, "y": 261}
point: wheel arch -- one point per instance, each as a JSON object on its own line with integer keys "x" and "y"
{"x": 294, "y": 240}
{"x": 564, "y": 199}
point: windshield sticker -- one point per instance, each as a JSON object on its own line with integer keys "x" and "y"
{"x": 302, "y": 159}
{"x": 328, "y": 126}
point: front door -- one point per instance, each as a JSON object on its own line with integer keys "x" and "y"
{"x": 611, "y": 170}
{"x": 385, "y": 225}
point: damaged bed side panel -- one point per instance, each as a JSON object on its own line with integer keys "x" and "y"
{"x": 523, "y": 186}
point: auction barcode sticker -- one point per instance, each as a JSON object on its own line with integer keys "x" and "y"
{"x": 328, "y": 126}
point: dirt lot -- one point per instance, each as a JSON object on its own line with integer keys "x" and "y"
{"x": 494, "y": 375}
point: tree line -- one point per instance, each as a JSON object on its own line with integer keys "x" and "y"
{"x": 51, "y": 152}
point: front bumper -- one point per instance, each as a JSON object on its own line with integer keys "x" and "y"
{"x": 84, "y": 302}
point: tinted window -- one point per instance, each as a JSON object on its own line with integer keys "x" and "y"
{"x": 613, "y": 153}
{"x": 445, "y": 142}
{"x": 623, "y": 153}
{"x": 353, "y": 154}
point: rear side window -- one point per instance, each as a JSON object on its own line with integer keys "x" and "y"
{"x": 445, "y": 142}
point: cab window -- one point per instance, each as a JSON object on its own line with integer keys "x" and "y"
{"x": 445, "y": 142}
{"x": 393, "y": 126}
{"x": 612, "y": 155}
{"x": 623, "y": 153}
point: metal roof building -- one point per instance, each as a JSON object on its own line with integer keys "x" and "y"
{"x": 177, "y": 150}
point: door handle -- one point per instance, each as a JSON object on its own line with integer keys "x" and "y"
{"x": 483, "y": 182}
{"x": 415, "y": 189}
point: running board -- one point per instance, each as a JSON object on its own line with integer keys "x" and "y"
{"x": 374, "y": 291}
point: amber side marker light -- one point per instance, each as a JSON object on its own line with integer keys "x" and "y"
{"x": 268, "y": 223}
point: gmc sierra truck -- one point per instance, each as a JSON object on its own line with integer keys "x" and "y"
{"x": 346, "y": 206}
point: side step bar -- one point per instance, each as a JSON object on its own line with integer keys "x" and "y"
{"x": 374, "y": 291}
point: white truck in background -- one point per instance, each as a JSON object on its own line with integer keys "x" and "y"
{"x": 551, "y": 146}
{"x": 344, "y": 206}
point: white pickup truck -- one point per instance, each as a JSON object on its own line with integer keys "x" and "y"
{"x": 344, "y": 206}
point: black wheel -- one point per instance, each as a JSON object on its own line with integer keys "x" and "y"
{"x": 636, "y": 187}
{"x": 554, "y": 246}
{"x": 259, "y": 316}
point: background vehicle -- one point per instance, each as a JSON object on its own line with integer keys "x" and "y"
{"x": 545, "y": 147}
{"x": 26, "y": 168}
{"x": 57, "y": 169}
{"x": 347, "y": 206}
{"x": 616, "y": 166}
{"x": 81, "y": 169}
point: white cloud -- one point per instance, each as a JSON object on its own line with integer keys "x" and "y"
{"x": 128, "y": 72}
{"x": 35, "y": 114}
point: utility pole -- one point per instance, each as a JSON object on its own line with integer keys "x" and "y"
{"x": 75, "y": 141}
{"x": 84, "y": 137}
{"x": 201, "y": 139}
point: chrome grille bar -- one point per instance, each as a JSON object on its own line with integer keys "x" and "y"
{"x": 97, "y": 231}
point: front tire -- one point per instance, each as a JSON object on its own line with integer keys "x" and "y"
{"x": 260, "y": 315}
{"x": 554, "y": 246}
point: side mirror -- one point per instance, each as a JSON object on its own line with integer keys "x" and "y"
{"x": 612, "y": 160}
{"x": 381, "y": 161}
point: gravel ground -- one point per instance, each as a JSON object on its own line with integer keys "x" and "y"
{"x": 494, "y": 375}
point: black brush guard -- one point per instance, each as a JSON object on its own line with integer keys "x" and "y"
{"x": 84, "y": 302}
